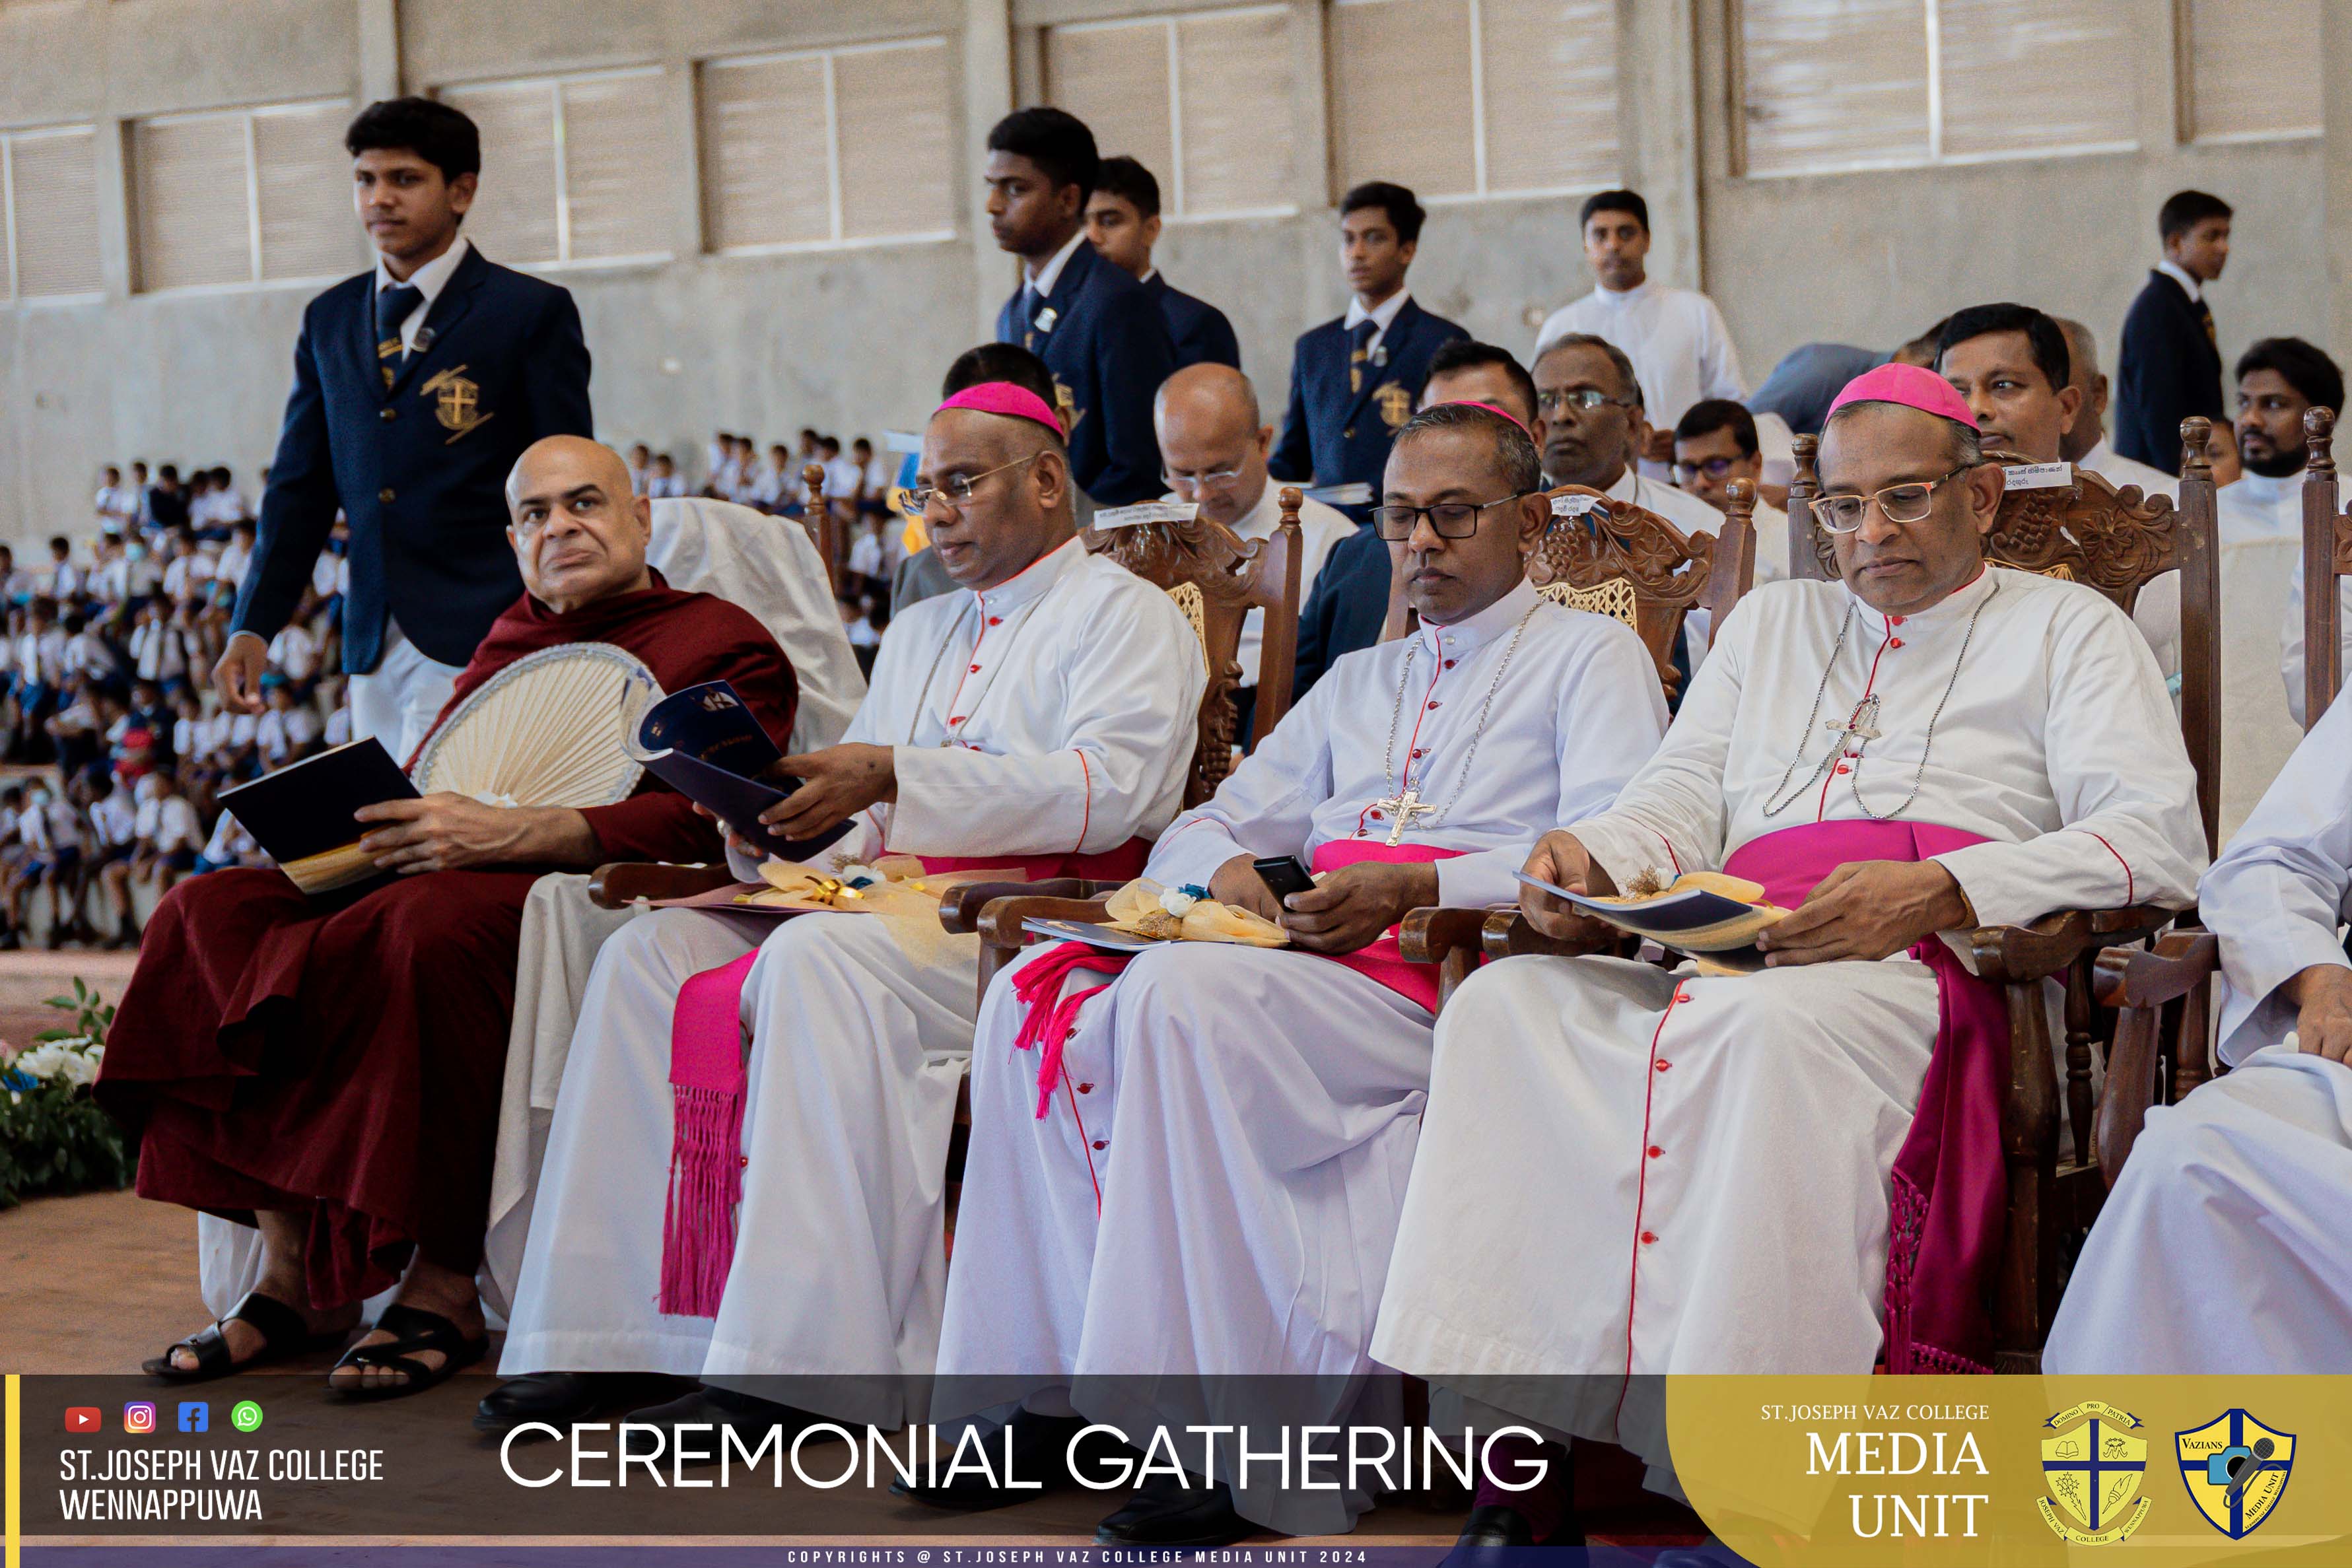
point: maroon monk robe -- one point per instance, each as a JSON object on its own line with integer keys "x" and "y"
{"x": 343, "y": 1055}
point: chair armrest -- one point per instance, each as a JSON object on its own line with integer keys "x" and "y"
{"x": 2137, "y": 977}
{"x": 1506, "y": 933}
{"x": 1426, "y": 935}
{"x": 623, "y": 882}
{"x": 1001, "y": 918}
{"x": 2015, "y": 955}
{"x": 960, "y": 906}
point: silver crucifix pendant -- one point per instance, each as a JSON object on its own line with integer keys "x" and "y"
{"x": 1402, "y": 809}
{"x": 1858, "y": 728}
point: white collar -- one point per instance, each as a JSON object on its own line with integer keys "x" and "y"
{"x": 2267, "y": 491}
{"x": 430, "y": 279}
{"x": 1045, "y": 277}
{"x": 1617, "y": 300}
{"x": 1382, "y": 317}
{"x": 1148, "y": 273}
{"x": 2183, "y": 276}
{"x": 1474, "y": 631}
{"x": 1961, "y": 602}
{"x": 1627, "y": 487}
{"x": 2098, "y": 458}
{"x": 1031, "y": 581}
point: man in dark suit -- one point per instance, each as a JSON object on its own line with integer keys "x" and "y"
{"x": 2169, "y": 365}
{"x": 415, "y": 388}
{"x": 1097, "y": 329}
{"x": 1123, "y": 224}
{"x": 1354, "y": 381}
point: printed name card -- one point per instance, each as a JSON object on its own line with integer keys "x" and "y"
{"x": 2039, "y": 476}
{"x": 1144, "y": 512}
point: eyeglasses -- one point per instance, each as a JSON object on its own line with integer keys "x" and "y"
{"x": 1452, "y": 519}
{"x": 1201, "y": 481}
{"x": 955, "y": 490}
{"x": 1898, "y": 503}
{"x": 1713, "y": 467}
{"x": 1559, "y": 400}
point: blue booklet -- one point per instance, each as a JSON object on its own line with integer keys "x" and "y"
{"x": 704, "y": 743}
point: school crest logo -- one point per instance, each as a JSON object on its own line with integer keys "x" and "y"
{"x": 2235, "y": 1470}
{"x": 2093, "y": 1463}
{"x": 456, "y": 401}
{"x": 1396, "y": 404}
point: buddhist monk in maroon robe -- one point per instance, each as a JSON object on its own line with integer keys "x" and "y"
{"x": 327, "y": 1067}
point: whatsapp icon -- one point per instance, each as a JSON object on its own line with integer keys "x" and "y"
{"x": 244, "y": 1415}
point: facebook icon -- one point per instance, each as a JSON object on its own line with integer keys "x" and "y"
{"x": 195, "y": 1416}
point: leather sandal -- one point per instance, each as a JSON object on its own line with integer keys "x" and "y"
{"x": 284, "y": 1335}
{"x": 415, "y": 1329}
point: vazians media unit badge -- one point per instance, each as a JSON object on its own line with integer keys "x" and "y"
{"x": 2092, "y": 1467}
{"x": 2235, "y": 1470}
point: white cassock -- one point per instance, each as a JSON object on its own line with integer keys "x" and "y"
{"x": 2223, "y": 1247}
{"x": 1711, "y": 1156}
{"x": 1681, "y": 349}
{"x": 1248, "y": 1116}
{"x": 1053, "y": 714}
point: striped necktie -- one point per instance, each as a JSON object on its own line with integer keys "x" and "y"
{"x": 1359, "y": 349}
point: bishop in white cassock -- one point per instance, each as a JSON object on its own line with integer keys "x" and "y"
{"x": 1044, "y": 716}
{"x": 2223, "y": 1247}
{"x": 1923, "y": 747}
{"x": 1207, "y": 1183}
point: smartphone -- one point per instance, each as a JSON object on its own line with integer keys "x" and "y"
{"x": 1283, "y": 875}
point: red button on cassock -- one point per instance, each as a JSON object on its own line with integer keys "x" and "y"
{"x": 1432, "y": 707}
{"x": 1894, "y": 642}
{"x": 1663, "y": 1065}
{"x": 1654, "y": 1151}
{"x": 1648, "y": 1237}
{"x": 975, "y": 669}
{"x": 1102, "y": 1143}
{"x": 1843, "y": 769}
{"x": 1086, "y": 1088}
{"x": 996, "y": 621}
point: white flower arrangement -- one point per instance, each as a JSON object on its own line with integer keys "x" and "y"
{"x": 1179, "y": 900}
{"x": 73, "y": 1061}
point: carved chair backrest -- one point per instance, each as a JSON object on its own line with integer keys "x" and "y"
{"x": 1617, "y": 558}
{"x": 1216, "y": 577}
{"x": 2327, "y": 555}
{"x": 824, "y": 527}
{"x": 2116, "y": 543}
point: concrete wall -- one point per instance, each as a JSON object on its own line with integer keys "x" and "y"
{"x": 855, "y": 340}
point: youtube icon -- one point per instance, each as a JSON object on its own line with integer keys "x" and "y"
{"x": 84, "y": 1418}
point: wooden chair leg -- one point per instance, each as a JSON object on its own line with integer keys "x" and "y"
{"x": 2030, "y": 1149}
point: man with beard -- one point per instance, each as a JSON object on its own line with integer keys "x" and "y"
{"x": 2279, "y": 380}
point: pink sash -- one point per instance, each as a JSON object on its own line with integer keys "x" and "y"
{"x": 1950, "y": 1187}
{"x": 706, "y": 1076}
{"x": 1050, "y": 1016}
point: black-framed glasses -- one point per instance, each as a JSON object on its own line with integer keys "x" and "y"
{"x": 1559, "y": 400}
{"x": 1451, "y": 519}
{"x": 1898, "y": 503}
{"x": 1713, "y": 467}
{"x": 956, "y": 488}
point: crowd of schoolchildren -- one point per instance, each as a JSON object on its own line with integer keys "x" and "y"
{"x": 117, "y": 748}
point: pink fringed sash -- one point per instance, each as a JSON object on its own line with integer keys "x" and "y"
{"x": 1950, "y": 1197}
{"x": 706, "y": 1078}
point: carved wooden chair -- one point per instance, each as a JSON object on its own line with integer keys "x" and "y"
{"x": 2162, "y": 998}
{"x": 2115, "y": 543}
{"x": 1216, "y": 580}
{"x": 823, "y": 527}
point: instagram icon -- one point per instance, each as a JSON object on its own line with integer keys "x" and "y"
{"x": 138, "y": 1417}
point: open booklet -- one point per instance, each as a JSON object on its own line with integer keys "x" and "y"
{"x": 1702, "y": 922}
{"x": 302, "y": 813}
{"x": 704, "y": 743}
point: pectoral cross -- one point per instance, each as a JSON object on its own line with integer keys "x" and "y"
{"x": 1858, "y": 728}
{"x": 1402, "y": 807}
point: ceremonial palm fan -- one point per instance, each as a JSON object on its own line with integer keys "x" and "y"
{"x": 547, "y": 730}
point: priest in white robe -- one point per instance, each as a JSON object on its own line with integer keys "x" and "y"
{"x": 1925, "y": 745}
{"x": 1043, "y": 717}
{"x": 2223, "y": 1247}
{"x": 2280, "y": 380}
{"x": 1189, "y": 1171}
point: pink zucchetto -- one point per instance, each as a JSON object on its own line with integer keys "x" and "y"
{"x": 1490, "y": 408}
{"x": 1005, "y": 398}
{"x": 1911, "y": 386}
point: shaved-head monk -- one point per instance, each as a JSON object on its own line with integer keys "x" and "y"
{"x": 1926, "y": 744}
{"x": 327, "y": 1067}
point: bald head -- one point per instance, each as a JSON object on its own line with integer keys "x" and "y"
{"x": 1212, "y": 446}
{"x": 2090, "y": 422}
{"x": 577, "y": 532}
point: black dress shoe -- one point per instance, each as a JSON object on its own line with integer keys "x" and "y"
{"x": 1494, "y": 1524}
{"x": 1176, "y": 1512}
{"x": 558, "y": 1398}
{"x": 750, "y": 1419}
{"x": 1040, "y": 1452}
